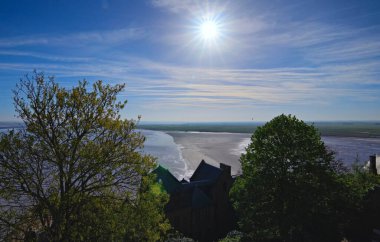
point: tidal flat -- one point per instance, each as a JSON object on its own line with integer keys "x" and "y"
{"x": 182, "y": 151}
{"x": 362, "y": 129}
{"x": 214, "y": 148}
{"x": 227, "y": 148}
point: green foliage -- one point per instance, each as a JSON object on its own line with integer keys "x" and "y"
{"x": 74, "y": 173}
{"x": 291, "y": 188}
{"x": 233, "y": 236}
{"x": 364, "y": 200}
{"x": 176, "y": 236}
{"x": 360, "y": 182}
{"x": 147, "y": 221}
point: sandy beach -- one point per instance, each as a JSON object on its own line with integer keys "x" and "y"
{"x": 214, "y": 148}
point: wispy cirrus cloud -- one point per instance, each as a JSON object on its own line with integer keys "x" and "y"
{"x": 174, "y": 6}
{"x": 76, "y": 39}
{"x": 268, "y": 54}
{"x": 181, "y": 85}
{"x": 249, "y": 35}
{"x": 338, "y": 62}
{"x": 43, "y": 56}
{"x": 192, "y": 7}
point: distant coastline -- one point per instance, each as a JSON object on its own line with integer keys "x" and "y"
{"x": 182, "y": 150}
{"x": 358, "y": 129}
{"x": 10, "y": 125}
{"x": 337, "y": 129}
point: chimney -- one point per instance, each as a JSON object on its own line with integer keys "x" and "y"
{"x": 225, "y": 167}
{"x": 372, "y": 164}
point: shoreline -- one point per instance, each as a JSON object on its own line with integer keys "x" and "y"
{"x": 213, "y": 149}
{"x": 322, "y": 131}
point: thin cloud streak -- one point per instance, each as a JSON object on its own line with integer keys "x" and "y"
{"x": 185, "y": 85}
{"x": 76, "y": 39}
{"x": 44, "y": 56}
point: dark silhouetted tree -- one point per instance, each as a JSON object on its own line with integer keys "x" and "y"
{"x": 291, "y": 188}
{"x": 363, "y": 215}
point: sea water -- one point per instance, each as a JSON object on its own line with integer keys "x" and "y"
{"x": 347, "y": 149}
{"x": 352, "y": 149}
{"x": 168, "y": 154}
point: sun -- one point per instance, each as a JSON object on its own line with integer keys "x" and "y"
{"x": 210, "y": 33}
{"x": 209, "y": 30}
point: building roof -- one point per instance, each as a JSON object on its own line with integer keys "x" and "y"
{"x": 205, "y": 172}
{"x": 197, "y": 192}
{"x": 168, "y": 181}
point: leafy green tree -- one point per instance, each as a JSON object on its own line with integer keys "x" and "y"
{"x": 364, "y": 199}
{"x": 74, "y": 173}
{"x": 291, "y": 188}
{"x": 147, "y": 213}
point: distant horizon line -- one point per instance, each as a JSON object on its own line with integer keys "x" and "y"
{"x": 224, "y": 122}
{"x": 256, "y": 121}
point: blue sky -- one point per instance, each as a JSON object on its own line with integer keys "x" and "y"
{"x": 319, "y": 60}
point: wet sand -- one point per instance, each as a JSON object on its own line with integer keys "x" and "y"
{"x": 214, "y": 148}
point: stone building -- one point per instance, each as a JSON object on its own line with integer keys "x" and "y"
{"x": 200, "y": 208}
{"x": 374, "y": 164}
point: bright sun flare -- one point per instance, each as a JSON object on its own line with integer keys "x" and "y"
{"x": 209, "y": 30}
